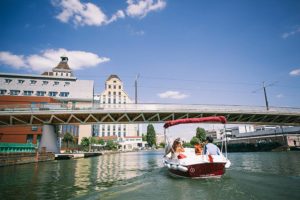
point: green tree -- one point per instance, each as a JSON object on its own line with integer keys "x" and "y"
{"x": 201, "y": 134}
{"x": 85, "y": 143}
{"x": 194, "y": 140}
{"x": 68, "y": 137}
{"x": 151, "y": 135}
{"x": 144, "y": 137}
{"x": 101, "y": 141}
{"x": 111, "y": 145}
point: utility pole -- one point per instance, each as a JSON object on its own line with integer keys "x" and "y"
{"x": 266, "y": 98}
{"x": 136, "y": 98}
{"x": 135, "y": 86}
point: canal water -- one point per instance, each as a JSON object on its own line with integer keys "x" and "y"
{"x": 140, "y": 175}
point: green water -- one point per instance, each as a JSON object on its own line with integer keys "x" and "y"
{"x": 140, "y": 175}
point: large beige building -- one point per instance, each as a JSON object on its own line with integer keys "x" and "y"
{"x": 114, "y": 93}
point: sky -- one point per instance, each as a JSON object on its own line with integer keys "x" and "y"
{"x": 183, "y": 52}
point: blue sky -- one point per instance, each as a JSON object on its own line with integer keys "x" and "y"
{"x": 200, "y": 52}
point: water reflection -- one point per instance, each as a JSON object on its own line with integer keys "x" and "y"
{"x": 270, "y": 175}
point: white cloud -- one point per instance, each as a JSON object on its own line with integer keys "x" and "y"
{"x": 291, "y": 33}
{"x": 81, "y": 14}
{"x": 140, "y": 8}
{"x": 49, "y": 58}
{"x": 279, "y": 96}
{"x": 172, "y": 95}
{"x": 16, "y": 61}
{"x": 295, "y": 72}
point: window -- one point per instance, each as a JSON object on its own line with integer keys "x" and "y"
{"x": 2, "y": 92}
{"x": 52, "y": 94}
{"x": 109, "y": 86}
{"x": 21, "y": 81}
{"x": 45, "y": 82}
{"x": 14, "y": 92}
{"x": 67, "y": 83}
{"x": 8, "y": 81}
{"x": 40, "y": 93}
{"x": 114, "y": 87}
{"x": 109, "y": 93}
{"x": 29, "y": 138}
{"x": 119, "y": 86}
{"x": 28, "y": 93}
{"x": 34, "y": 128}
{"x": 114, "y": 101}
{"x": 115, "y": 81}
{"x": 114, "y": 93}
{"x": 61, "y": 74}
{"x": 108, "y": 100}
{"x": 32, "y": 82}
{"x": 56, "y": 83}
{"x": 64, "y": 94}
{"x": 120, "y": 93}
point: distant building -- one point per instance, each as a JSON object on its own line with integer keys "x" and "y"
{"x": 59, "y": 84}
{"x": 22, "y": 134}
{"x": 114, "y": 94}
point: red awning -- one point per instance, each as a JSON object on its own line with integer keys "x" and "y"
{"x": 220, "y": 119}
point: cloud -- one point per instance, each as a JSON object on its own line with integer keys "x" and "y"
{"x": 81, "y": 14}
{"x": 16, "y": 61}
{"x": 89, "y": 14}
{"x": 140, "y": 8}
{"x": 295, "y": 72}
{"x": 291, "y": 33}
{"x": 49, "y": 58}
{"x": 172, "y": 95}
{"x": 279, "y": 96}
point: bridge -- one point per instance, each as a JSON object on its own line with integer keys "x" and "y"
{"x": 56, "y": 114}
{"x": 49, "y": 115}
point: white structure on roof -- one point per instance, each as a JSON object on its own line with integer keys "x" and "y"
{"x": 114, "y": 94}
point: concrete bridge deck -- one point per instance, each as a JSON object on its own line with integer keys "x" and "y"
{"x": 144, "y": 113}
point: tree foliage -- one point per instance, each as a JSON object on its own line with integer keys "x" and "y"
{"x": 85, "y": 143}
{"x": 68, "y": 137}
{"x": 151, "y": 135}
{"x": 111, "y": 145}
{"x": 201, "y": 134}
{"x": 101, "y": 141}
{"x": 194, "y": 140}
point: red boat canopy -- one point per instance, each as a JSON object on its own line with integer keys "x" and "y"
{"x": 220, "y": 119}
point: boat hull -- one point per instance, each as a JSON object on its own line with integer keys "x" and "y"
{"x": 203, "y": 170}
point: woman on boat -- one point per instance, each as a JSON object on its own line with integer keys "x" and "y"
{"x": 176, "y": 148}
{"x": 198, "y": 147}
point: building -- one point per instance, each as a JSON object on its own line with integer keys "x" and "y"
{"x": 115, "y": 94}
{"x": 22, "y": 134}
{"x": 59, "y": 84}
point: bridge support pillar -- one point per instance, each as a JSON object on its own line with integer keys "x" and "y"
{"x": 49, "y": 139}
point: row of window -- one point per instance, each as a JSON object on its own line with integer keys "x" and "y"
{"x": 38, "y": 93}
{"x": 114, "y": 87}
{"x": 114, "y": 93}
{"x": 33, "y": 82}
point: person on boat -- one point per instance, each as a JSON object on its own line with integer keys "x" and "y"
{"x": 198, "y": 147}
{"x": 210, "y": 148}
{"x": 176, "y": 148}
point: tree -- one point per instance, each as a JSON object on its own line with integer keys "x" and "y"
{"x": 68, "y": 137}
{"x": 151, "y": 135}
{"x": 201, "y": 134}
{"x": 85, "y": 143}
{"x": 111, "y": 145}
{"x": 194, "y": 140}
{"x": 144, "y": 137}
{"x": 101, "y": 141}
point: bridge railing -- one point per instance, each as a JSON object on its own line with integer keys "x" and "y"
{"x": 146, "y": 107}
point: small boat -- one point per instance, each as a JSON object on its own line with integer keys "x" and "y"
{"x": 190, "y": 165}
